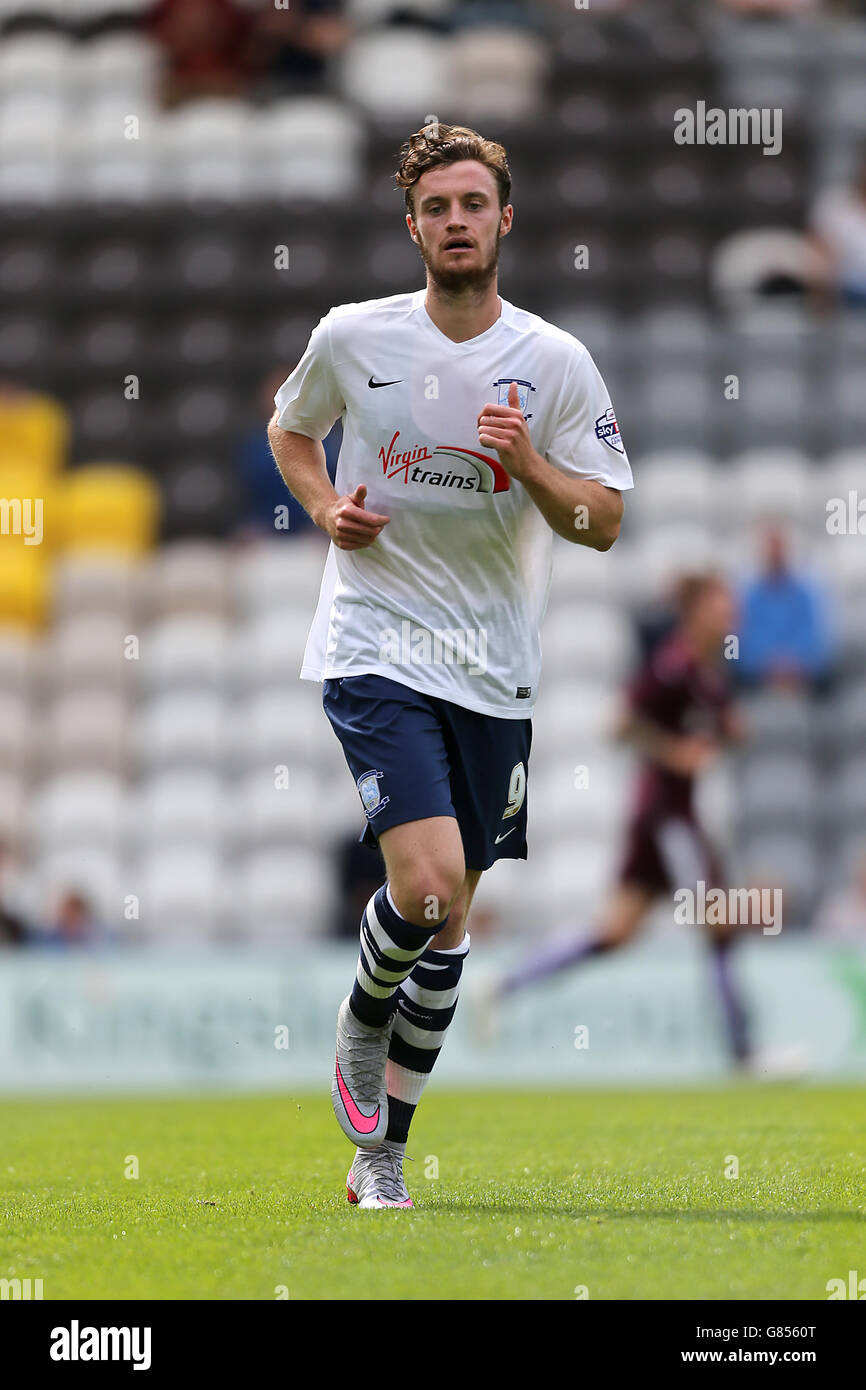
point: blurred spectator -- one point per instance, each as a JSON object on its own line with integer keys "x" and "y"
{"x": 838, "y": 229}
{"x": 207, "y": 47}
{"x": 265, "y": 497}
{"x": 14, "y": 931}
{"x": 360, "y": 873}
{"x": 841, "y": 917}
{"x": 784, "y": 633}
{"x": 292, "y": 46}
{"x": 74, "y": 923}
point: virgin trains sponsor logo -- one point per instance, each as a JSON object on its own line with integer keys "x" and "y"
{"x": 471, "y": 471}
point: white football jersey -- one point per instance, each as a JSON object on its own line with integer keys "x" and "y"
{"x": 449, "y": 599}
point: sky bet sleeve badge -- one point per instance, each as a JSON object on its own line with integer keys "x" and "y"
{"x": 523, "y": 390}
{"x": 608, "y": 430}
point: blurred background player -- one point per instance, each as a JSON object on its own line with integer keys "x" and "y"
{"x": 678, "y": 716}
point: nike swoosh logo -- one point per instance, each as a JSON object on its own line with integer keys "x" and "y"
{"x": 374, "y": 385}
{"x": 364, "y": 1124}
{"x": 506, "y": 835}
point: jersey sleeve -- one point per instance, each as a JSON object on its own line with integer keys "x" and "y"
{"x": 586, "y": 441}
{"x": 310, "y": 401}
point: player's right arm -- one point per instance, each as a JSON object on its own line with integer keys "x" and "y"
{"x": 307, "y": 404}
{"x": 301, "y": 462}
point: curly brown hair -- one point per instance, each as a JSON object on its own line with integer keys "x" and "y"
{"x": 437, "y": 144}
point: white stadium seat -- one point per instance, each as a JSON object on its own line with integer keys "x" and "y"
{"x": 86, "y": 728}
{"x": 280, "y": 575}
{"x": 188, "y": 577}
{"x": 16, "y": 732}
{"x": 265, "y": 814}
{"x": 182, "y": 729}
{"x": 186, "y": 807}
{"x": 587, "y": 639}
{"x": 285, "y": 894}
{"x": 499, "y": 72}
{"x": 281, "y": 725}
{"x": 399, "y": 73}
{"x": 184, "y": 894}
{"x": 187, "y": 650}
{"x": 88, "y": 650}
{"x": 82, "y": 808}
{"x": 674, "y": 486}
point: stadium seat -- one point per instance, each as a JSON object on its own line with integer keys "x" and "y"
{"x": 266, "y": 815}
{"x": 770, "y": 483}
{"x": 188, "y": 576}
{"x": 78, "y": 809}
{"x": 280, "y": 890}
{"x": 16, "y": 732}
{"x": 787, "y": 862}
{"x": 24, "y": 586}
{"x": 777, "y": 791}
{"x": 267, "y": 650}
{"x": 279, "y": 725}
{"x": 306, "y": 147}
{"x": 86, "y": 729}
{"x": 186, "y": 729}
{"x": 278, "y": 576}
{"x": 110, "y": 507}
{"x": 587, "y": 639}
{"x": 675, "y": 486}
{"x": 397, "y": 73}
{"x": 102, "y": 584}
{"x": 13, "y": 810}
{"x": 188, "y": 650}
{"x": 499, "y": 72}
{"x": 183, "y": 894}
{"x": 575, "y": 715}
{"x": 780, "y": 720}
{"x": 202, "y": 150}
{"x": 18, "y": 655}
{"x": 34, "y": 433}
{"x": 179, "y": 808}
{"x": 88, "y": 651}
{"x": 199, "y": 495}
{"x": 35, "y": 62}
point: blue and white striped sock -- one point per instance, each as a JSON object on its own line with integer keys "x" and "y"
{"x": 390, "y": 947}
{"x": 426, "y": 1003}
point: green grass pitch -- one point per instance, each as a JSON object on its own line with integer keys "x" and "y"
{"x": 537, "y": 1194}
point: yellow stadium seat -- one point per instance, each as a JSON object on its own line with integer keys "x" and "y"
{"x": 34, "y": 433}
{"x": 109, "y": 507}
{"x": 24, "y": 585}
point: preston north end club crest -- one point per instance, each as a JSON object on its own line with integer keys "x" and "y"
{"x": 523, "y": 390}
{"x": 368, "y": 786}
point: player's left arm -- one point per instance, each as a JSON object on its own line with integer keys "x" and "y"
{"x": 579, "y": 509}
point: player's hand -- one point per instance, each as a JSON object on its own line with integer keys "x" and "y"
{"x": 349, "y": 524}
{"x": 690, "y": 754}
{"x": 503, "y": 428}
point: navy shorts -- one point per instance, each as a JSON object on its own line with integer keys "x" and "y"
{"x": 414, "y": 756}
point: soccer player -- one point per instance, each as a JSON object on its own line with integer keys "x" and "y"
{"x": 678, "y": 714}
{"x": 472, "y": 431}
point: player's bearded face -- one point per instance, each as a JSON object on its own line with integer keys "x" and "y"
{"x": 472, "y": 270}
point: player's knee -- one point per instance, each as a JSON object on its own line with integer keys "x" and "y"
{"x": 425, "y": 893}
